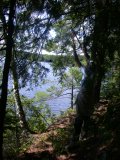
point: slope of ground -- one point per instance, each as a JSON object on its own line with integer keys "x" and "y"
{"x": 102, "y": 142}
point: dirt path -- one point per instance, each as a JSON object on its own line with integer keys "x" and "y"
{"x": 54, "y": 143}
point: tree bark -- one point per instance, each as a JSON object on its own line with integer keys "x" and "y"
{"x": 4, "y": 87}
{"x": 19, "y": 108}
{"x": 85, "y": 101}
{"x": 97, "y": 88}
{"x": 99, "y": 46}
{"x": 72, "y": 88}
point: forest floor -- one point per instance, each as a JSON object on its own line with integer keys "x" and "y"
{"x": 54, "y": 144}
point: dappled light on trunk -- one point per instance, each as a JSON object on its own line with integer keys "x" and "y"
{"x": 85, "y": 100}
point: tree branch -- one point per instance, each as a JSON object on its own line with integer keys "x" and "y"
{"x": 2, "y": 49}
{"x": 74, "y": 51}
{"x": 82, "y": 46}
{"x": 87, "y": 57}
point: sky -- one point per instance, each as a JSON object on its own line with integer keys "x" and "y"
{"x": 49, "y": 53}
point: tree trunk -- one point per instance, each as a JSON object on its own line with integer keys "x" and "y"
{"x": 85, "y": 100}
{"x": 99, "y": 46}
{"x": 97, "y": 88}
{"x": 19, "y": 108}
{"x": 4, "y": 87}
{"x": 72, "y": 88}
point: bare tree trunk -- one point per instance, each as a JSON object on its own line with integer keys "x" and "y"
{"x": 4, "y": 87}
{"x": 19, "y": 108}
{"x": 97, "y": 88}
{"x": 72, "y": 94}
{"x": 85, "y": 101}
{"x": 17, "y": 135}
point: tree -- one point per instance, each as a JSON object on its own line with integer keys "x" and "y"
{"x": 9, "y": 29}
{"x": 68, "y": 85}
{"x": 19, "y": 107}
{"x": 71, "y": 81}
{"x": 8, "y": 16}
{"x": 89, "y": 26}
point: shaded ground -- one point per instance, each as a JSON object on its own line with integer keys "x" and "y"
{"x": 102, "y": 142}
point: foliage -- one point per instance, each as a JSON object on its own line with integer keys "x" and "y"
{"x": 13, "y": 138}
{"x": 72, "y": 77}
{"x": 95, "y": 27}
{"x": 38, "y": 115}
{"x": 111, "y": 83}
{"x": 61, "y": 140}
{"x": 63, "y": 135}
{"x": 11, "y": 134}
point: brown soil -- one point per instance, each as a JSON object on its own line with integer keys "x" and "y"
{"x": 54, "y": 144}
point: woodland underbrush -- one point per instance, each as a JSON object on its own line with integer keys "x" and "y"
{"x": 101, "y": 143}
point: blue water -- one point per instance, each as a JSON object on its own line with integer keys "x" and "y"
{"x": 56, "y": 104}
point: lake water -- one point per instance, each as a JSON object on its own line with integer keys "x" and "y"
{"x": 56, "y": 104}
